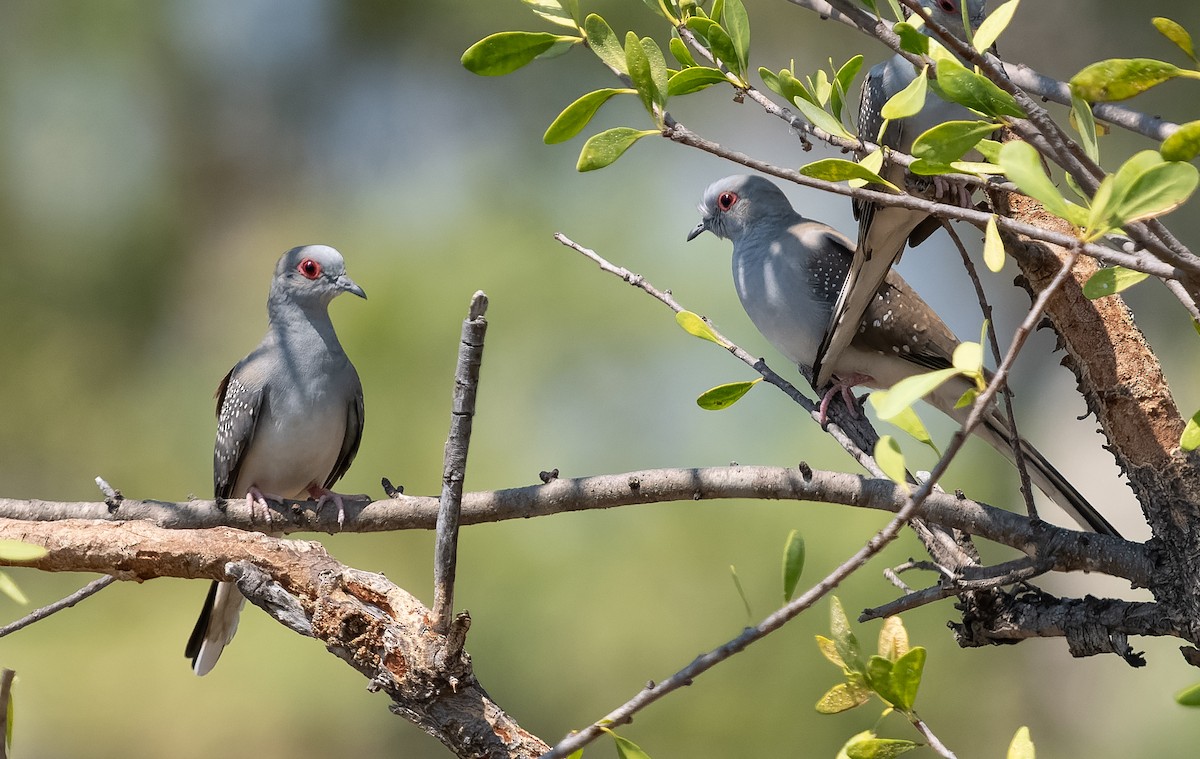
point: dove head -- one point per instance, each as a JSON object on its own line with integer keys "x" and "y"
{"x": 734, "y": 204}
{"x": 949, "y": 13}
{"x": 311, "y": 276}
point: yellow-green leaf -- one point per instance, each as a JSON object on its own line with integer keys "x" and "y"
{"x": 908, "y": 101}
{"x": 829, "y": 651}
{"x": 1023, "y": 166}
{"x": 694, "y": 324}
{"x": 1190, "y": 439}
{"x": 906, "y": 678}
{"x": 1183, "y": 144}
{"x": 843, "y": 637}
{"x": 909, "y": 390}
{"x": 626, "y": 749}
{"x": 793, "y": 563}
{"x": 968, "y": 358}
{"x": 737, "y": 583}
{"x": 681, "y": 52}
{"x": 1121, "y": 78}
{"x": 724, "y": 396}
{"x": 554, "y": 11}
{"x": 602, "y": 149}
{"x": 906, "y": 419}
{"x": 577, "y": 115}
{"x": 1111, "y": 280}
{"x": 1176, "y": 33}
{"x": 819, "y": 118}
{"x": 893, "y": 639}
{"x": 10, "y": 589}
{"x": 951, "y": 140}
{"x": 993, "y": 246}
{"x": 604, "y": 43}
{"x": 911, "y": 38}
{"x": 693, "y": 79}
{"x": 879, "y": 748}
{"x": 994, "y": 25}
{"x": 975, "y": 91}
{"x": 1022, "y": 745}
{"x": 843, "y": 697}
{"x": 735, "y": 21}
{"x": 890, "y": 459}
{"x": 15, "y": 550}
{"x": 1189, "y": 696}
{"x": 872, "y": 162}
{"x": 841, "y": 170}
{"x": 505, "y": 52}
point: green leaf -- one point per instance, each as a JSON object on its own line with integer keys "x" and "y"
{"x": 15, "y": 550}
{"x": 793, "y": 563}
{"x": 1121, "y": 78}
{"x": 737, "y": 583}
{"x": 841, "y": 84}
{"x": 906, "y": 678}
{"x": 681, "y": 52}
{"x": 1022, "y": 165}
{"x": 1085, "y": 124}
{"x": 911, "y": 38}
{"x": 627, "y": 749}
{"x": 1111, "y": 280}
{"x": 505, "y": 52}
{"x": 968, "y": 358}
{"x": 1021, "y": 746}
{"x": 893, "y": 639}
{"x": 1143, "y": 193}
{"x": 908, "y": 101}
{"x": 843, "y": 697}
{"x": 1190, "y": 441}
{"x": 967, "y": 398}
{"x": 821, "y": 119}
{"x": 991, "y": 28}
{"x": 841, "y": 170}
{"x": 879, "y": 677}
{"x": 1176, "y": 33}
{"x": 1184, "y": 144}
{"x": 694, "y": 79}
{"x": 993, "y": 247}
{"x": 890, "y": 459}
{"x": 694, "y": 324}
{"x": 909, "y": 390}
{"x": 576, "y": 754}
{"x": 1189, "y": 696}
{"x": 990, "y": 150}
{"x": 879, "y": 748}
{"x": 604, "y": 43}
{"x": 872, "y": 162}
{"x": 658, "y": 70}
{"x": 976, "y": 92}
{"x": 829, "y": 651}
{"x": 602, "y": 149}
{"x": 951, "y": 140}
{"x": 843, "y": 637}
{"x": 10, "y": 589}
{"x": 638, "y": 65}
{"x": 735, "y": 21}
{"x": 906, "y": 419}
{"x": 556, "y": 12}
{"x": 724, "y": 396}
{"x": 719, "y": 42}
{"x": 577, "y": 115}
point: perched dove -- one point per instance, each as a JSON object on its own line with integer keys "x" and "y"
{"x": 788, "y": 271}
{"x": 289, "y": 417}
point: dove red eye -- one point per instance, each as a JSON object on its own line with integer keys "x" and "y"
{"x": 309, "y": 268}
{"x": 726, "y": 200}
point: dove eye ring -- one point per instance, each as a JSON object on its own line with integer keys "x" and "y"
{"x": 948, "y": 6}
{"x": 309, "y": 268}
{"x": 726, "y": 200}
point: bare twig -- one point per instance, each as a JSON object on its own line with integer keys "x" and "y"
{"x": 466, "y": 382}
{"x": 93, "y": 587}
{"x": 935, "y": 744}
{"x": 6, "y": 681}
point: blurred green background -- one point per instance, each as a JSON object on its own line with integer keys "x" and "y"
{"x": 156, "y": 158}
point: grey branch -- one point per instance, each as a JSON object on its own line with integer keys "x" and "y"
{"x": 454, "y": 468}
{"x": 91, "y": 589}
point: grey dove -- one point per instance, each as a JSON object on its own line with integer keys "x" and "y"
{"x": 884, "y": 231}
{"x": 289, "y": 417}
{"x": 788, "y": 271}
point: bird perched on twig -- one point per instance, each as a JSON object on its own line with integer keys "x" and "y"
{"x": 788, "y": 271}
{"x": 289, "y": 417}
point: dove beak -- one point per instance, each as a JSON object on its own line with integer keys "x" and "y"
{"x": 697, "y": 230}
{"x": 346, "y": 284}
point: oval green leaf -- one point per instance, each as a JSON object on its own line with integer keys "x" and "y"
{"x": 1176, "y": 33}
{"x": 829, "y": 651}
{"x": 681, "y": 53}
{"x": 879, "y": 678}
{"x": 843, "y": 697}
{"x": 1189, "y": 696}
{"x": 1121, "y": 78}
{"x": 577, "y": 115}
{"x": 793, "y": 563}
{"x": 821, "y": 119}
{"x": 604, "y": 43}
{"x": 951, "y": 140}
{"x": 843, "y": 637}
{"x": 1155, "y": 191}
{"x": 602, "y": 149}
{"x": 1190, "y": 439}
{"x": 993, "y": 247}
{"x": 841, "y": 170}
{"x": 911, "y": 39}
{"x": 906, "y": 678}
{"x": 1022, "y": 165}
{"x": 10, "y": 589}
{"x": 968, "y": 358}
{"x": 694, "y": 79}
{"x": 975, "y": 91}
{"x": 890, "y": 459}
{"x": 693, "y": 324}
{"x": 1111, "y": 280}
{"x": 658, "y": 70}
{"x": 908, "y": 101}
{"x": 627, "y": 749}
{"x": 842, "y": 81}
{"x": 15, "y": 550}
{"x": 638, "y": 66}
{"x": 553, "y": 11}
{"x": 737, "y": 23}
{"x": 724, "y": 396}
{"x": 893, "y": 639}
{"x": 995, "y": 24}
{"x": 879, "y": 748}
{"x": 1021, "y": 746}
{"x": 505, "y": 52}
{"x": 1184, "y": 144}
{"x": 909, "y": 390}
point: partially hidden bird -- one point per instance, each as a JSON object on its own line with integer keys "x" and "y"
{"x": 884, "y": 231}
{"x": 788, "y": 271}
{"x": 289, "y": 417}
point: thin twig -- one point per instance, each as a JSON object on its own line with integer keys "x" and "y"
{"x": 93, "y": 587}
{"x": 982, "y": 578}
{"x": 935, "y": 744}
{"x": 6, "y": 681}
{"x": 466, "y": 383}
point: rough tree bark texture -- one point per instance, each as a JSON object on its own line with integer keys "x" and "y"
{"x": 1122, "y": 382}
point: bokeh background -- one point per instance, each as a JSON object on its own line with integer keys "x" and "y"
{"x": 156, "y": 158}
